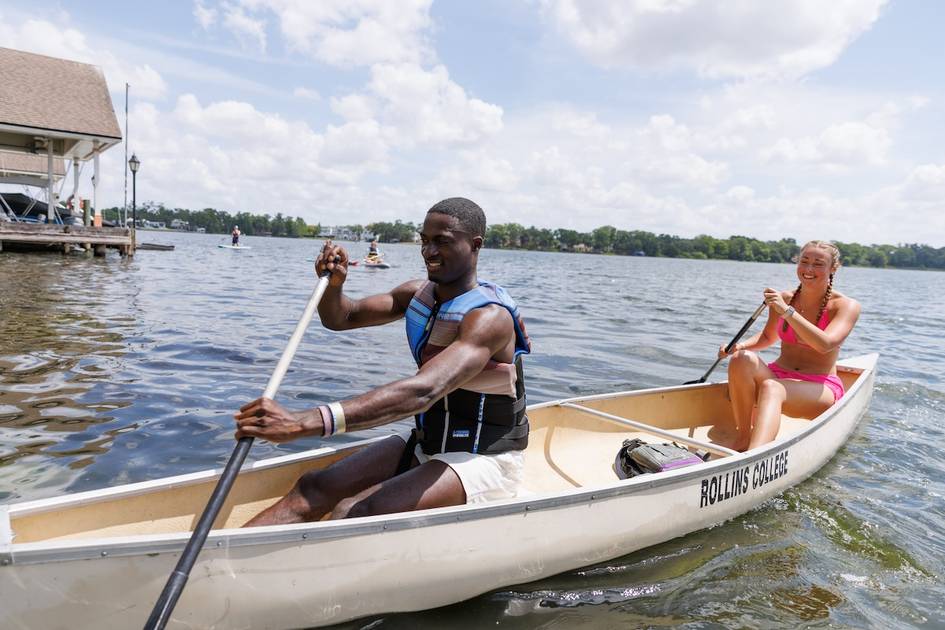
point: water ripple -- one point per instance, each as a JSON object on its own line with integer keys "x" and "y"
{"x": 115, "y": 371}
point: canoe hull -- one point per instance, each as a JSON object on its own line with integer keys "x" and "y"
{"x": 323, "y": 573}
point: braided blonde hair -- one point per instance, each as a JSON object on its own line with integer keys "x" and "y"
{"x": 834, "y": 265}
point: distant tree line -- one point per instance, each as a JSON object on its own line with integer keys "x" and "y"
{"x": 609, "y": 240}
{"x": 396, "y": 232}
{"x": 604, "y": 240}
{"x": 216, "y": 221}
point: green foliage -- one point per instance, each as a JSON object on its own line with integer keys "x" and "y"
{"x": 221, "y": 222}
{"x": 608, "y": 239}
{"x": 395, "y": 232}
{"x": 605, "y": 239}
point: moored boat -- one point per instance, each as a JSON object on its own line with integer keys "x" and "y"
{"x": 99, "y": 559}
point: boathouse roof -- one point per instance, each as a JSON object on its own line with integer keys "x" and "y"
{"x": 44, "y": 98}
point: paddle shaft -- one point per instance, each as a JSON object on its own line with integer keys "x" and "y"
{"x": 178, "y": 578}
{"x": 731, "y": 344}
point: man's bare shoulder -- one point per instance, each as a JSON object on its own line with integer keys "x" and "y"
{"x": 403, "y": 293}
{"x": 490, "y": 322}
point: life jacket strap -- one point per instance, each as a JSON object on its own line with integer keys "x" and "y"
{"x": 406, "y": 458}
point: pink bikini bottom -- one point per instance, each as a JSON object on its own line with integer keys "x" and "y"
{"x": 831, "y": 382}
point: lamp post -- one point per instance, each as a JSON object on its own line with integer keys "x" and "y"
{"x": 134, "y": 163}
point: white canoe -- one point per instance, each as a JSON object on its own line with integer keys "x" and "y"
{"x": 99, "y": 559}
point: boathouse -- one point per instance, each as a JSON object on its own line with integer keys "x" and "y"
{"x": 54, "y": 113}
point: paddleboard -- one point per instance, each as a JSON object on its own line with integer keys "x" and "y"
{"x": 234, "y": 246}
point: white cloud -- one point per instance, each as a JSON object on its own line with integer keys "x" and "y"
{"x": 926, "y": 183}
{"x": 483, "y": 172}
{"x": 751, "y": 118}
{"x": 427, "y": 107}
{"x": 669, "y": 134}
{"x": 918, "y": 101}
{"x": 717, "y": 39}
{"x": 247, "y": 29}
{"x": 411, "y": 104}
{"x": 307, "y": 94}
{"x": 353, "y": 32}
{"x": 283, "y": 148}
{"x": 205, "y": 17}
{"x": 839, "y": 146}
{"x": 354, "y": 107}
{"x": 579, "y": 123}
{"x": 358, "y": 143}
{"x": 687, "y": 170}
{"x": 739, "y": 195}
{"x": 230, "y": 155}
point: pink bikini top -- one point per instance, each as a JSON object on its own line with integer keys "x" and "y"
{"x": 789, "y": 336}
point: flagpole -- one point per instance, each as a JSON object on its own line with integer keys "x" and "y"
{"x": 125, "y": 207}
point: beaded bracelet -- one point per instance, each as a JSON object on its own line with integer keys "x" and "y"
{"x": 328, "y": 425}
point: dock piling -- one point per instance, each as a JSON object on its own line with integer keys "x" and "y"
{"x": 63, "y": 237}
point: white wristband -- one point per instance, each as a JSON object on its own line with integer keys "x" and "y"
{"x": 788, "y": 312}
{"x": 338, "y": 414}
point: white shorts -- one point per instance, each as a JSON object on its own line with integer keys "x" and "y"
{"x": 484, "y": 477}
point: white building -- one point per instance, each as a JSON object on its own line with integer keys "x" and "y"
{"x": 338, "y": 232}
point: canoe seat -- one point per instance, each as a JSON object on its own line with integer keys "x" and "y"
{"x": 567, "y": 457}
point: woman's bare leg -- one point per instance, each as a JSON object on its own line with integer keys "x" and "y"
{"x": 796, "y": 398}
{"x": 746, "y": 372}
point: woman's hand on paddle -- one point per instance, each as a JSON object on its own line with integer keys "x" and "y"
{"x": 774, "y": 300}
{"x": 266, "y": 419}
{"x": 334, "y": 259}
{"x": 723, "y": 353}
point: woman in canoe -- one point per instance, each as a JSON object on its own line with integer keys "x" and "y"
{"x": 812, "y": 321}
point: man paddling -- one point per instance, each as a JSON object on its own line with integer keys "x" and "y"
{"x": 468, "y": 395}
{"x": 236, "y": 235}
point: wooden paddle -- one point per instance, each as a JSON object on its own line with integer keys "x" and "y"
{"x": 178, "y": 578}
{"x": 731, "y": 344}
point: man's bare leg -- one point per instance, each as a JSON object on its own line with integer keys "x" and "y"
{"x": 318, "y": 491}
{"x": 430, "y": 485}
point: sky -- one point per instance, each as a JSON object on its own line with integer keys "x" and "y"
{"x": 796, "y": 119}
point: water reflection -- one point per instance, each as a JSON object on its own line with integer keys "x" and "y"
{"x": 61, "y": 335}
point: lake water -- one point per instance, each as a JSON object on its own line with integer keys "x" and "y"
{"x": 115, "y": 371}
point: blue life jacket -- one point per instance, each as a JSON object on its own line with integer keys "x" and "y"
{"x": 466, "y": 420}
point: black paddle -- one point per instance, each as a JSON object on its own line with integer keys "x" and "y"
{"x": 731, "y": 344}
{"x": 161, "y": 613}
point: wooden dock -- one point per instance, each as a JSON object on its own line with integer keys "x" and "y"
{"x": 65, "y": 237}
